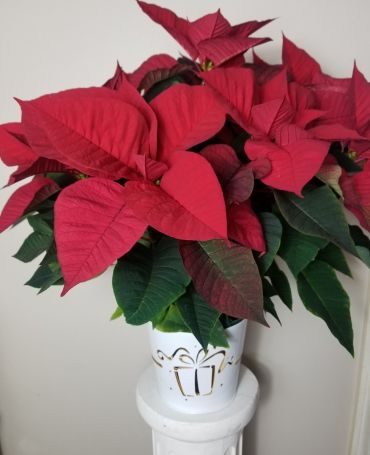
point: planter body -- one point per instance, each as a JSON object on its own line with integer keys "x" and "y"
{"x": 191, "y": 380}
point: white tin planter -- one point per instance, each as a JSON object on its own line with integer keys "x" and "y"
{"x": 191, "y": 380}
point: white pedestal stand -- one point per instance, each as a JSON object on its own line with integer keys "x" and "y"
{"x": 217, "y": 433}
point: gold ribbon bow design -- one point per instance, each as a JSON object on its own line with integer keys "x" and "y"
{"x": 215, "y": 362}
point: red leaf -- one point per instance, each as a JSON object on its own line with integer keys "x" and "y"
{"x": 236, "y": 179}
{"x": 258, "y": 61}
{"x": 235, "y": 86}
{"x": 302, "y": 66}
{"x": 123, "y": 83}
{"x": 356, "y": 191}
{"x": 240, "y": 186}
{"x": 189, "y": 203}
{"x": 150, "y": 169}
{"x": 226, "y": 277}
{"x": 270, "y": 116}
{"x": 202, "y": 116}
{"x": 247, "y": 28}
{"x": 155, "y": 62}
{"x": 177, "y": 27}
{"x": 261, "y": 167}
{"x": 224, "y": 48}
{"x": 132, "y": 97}
{"x": 14, "y": 150}
{"x": 223, "y": 160}
{"x": 244, "y": 226}
{"x": 210, "y": 37}
{"x": 93, "y": 228}
{"x": 292, "y": 165}
{"x": 159, "y": 75}
{"x": 304, "y": 118}
{"x": 93, "y": 130}
{"x": 209, "y": 26}
{"x": 334, "y": 97}
{"x": 275, "y": 88}
{"x": 288, "y": 134}
{"x": 115, "y": 81}
{"x": 335, "y": 132}
{"x": 24, "y": 197}
{"x": 40, "y": 166}
{"x": 360, "y": 88}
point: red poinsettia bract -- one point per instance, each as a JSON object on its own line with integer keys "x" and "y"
{"x": 192, "y": 149}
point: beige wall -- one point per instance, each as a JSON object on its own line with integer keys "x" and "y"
{"x": 67, "y": 374}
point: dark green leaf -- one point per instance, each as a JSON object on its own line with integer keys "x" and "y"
{"x": 51, "y": 255}
{"x": 324, "y": 296}
{"x": 228, "y": 321}
{"x": 33, "y": 246}
{"x": 272, "y": 230}
{"x": 268, "y": 288}
{"x": 362, "y": 243}
{"x": 318, "y": 213}
{"x": 147, "y": 280}
{"x": 281, "y": 284}
{"x": 334, "y": 256}
{"x": 218, "y": 336}
{"x": 160, "y": 87}
{"x": 45, "y": 276}
{"x": 38, "y": 224}
{"x": 298, "y": 249}
{"x": 269, "y": 307}
{"x": 198, "y": 315}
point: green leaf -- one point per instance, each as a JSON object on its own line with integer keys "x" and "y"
{"x": 171, "y": 321}
{"x": 362, "y": 243}
{"x": 147, "y": 280}
{"x": 298, "y": 249}
{"x": 334, "y": 256}
{"x": 198, "y": 315}
{"x": 272, "y": 230}
{"x": 228, "y": 321}
{"x": 268, "y": 288}
{"x": 38, "y": 224}
{"x": 318, "y": 213}
{"x": 117, "y": 314}
{"x": 323, "y": 295}
{"x": 33, "y": 246}
{"x": 281, "y": 285}
{"x": 45, "y": 276}
{"x": 218, "y": 336}
{"x": 269, "y": 307}
{"x": 51, "y": 254}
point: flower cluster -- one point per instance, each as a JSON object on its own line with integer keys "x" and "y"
{"x": 195, "y": 175}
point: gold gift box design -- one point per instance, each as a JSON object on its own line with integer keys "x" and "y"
{"x": 195, "y": 376}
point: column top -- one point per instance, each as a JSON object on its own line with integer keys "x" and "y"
{"x": 197, "y": 427}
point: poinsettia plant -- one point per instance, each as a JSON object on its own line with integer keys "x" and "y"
{"x": 196, "y": 177}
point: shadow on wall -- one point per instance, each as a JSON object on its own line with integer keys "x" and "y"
{"x": 264, "y": 376}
